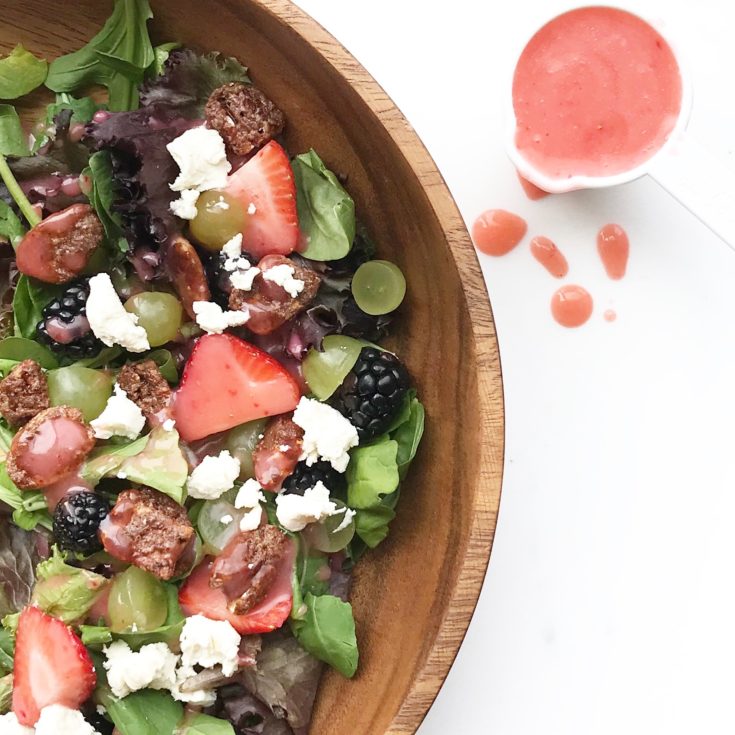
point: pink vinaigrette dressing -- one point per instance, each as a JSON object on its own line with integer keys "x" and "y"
{"x": 596, "y": 92}
{"x": 571, "y": 306}
{"x": 550, "y": 257}
{"x": 496, "y": 231}
{"x": 613, "y": 247}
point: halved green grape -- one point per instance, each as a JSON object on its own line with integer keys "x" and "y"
{"x": 324, "y": 371}
{"x": 241, "y": 441}
{"x": 324, "y": 536}
{"x": 378, "y": 287}
{"x": 137, "y": 599}
{"x": 215, "y": 532}
{"x": 219, "y": 218}
{"x": 158, "y": 313}
{"x": 79, "y": 387}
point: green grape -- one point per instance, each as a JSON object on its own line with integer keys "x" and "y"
{"x": 378, "y": 287}
{"x": 158, "y": 313}
{"x": 241, "y": 441}
{"x": 80, "y": 387}
{"x": 324, "y": 371}
{"x": 137, "y": 599}
{"x": 219, "y": 218}
{"x": 324, "y": 536}
{"x": 216, "y": 534}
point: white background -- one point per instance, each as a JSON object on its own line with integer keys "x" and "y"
{"x": 609, "y": 605}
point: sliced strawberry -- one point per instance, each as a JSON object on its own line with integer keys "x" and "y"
{"x": 266, "y": 182}
{"x": 227, "y": 382}
{"x": 52, "y": 666}
{"x": 197, "y": 597}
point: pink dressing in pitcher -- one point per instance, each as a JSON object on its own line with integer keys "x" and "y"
{"x": 596, "y": 92}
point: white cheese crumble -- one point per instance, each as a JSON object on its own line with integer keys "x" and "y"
{"x": 153, "y": 667}
{"x": 242, "y": 279}
{"x": 213, "y": 320}
{"x": 213, "y": 476}
{"x": 201, "y": 697}
{"x": 252, "y": 209}
{"x": 296, "y": 512}
{"x": 327, "y": 434}
{"x": 185, "y": 206}
{"x": 226, "y": 519}
{"x": 282, "y": 275}
{"x": 108, "y": 319}
{"x": 202, "y": 159}
{"x": 242, "y": 274}
{"x": 249, "y": 497}
{"x": 9, "y": 725}
{"x": 208, "y": 643}
{"x": 233, "y": 247}
{"x": 120, "y": 417}
{"x": 168, "y": 424}
{"x": 349, "y": 515}
{"x": 59, "y": 720}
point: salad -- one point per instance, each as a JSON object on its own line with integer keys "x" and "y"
{"x": 200, "y": 435}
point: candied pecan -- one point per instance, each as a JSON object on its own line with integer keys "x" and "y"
{"x": 187, "y": 274}
{"x": 145, "y": 386}
{"x": 57, "y": 249}
{"x": 243, "y": 116}
{"x": 50, "y": 446}
{"x": 248, "y": 566}
{"x": 23, "y": 393}
{"x": 276, "y": 455}
{"x": 269, "y": 304}
{"x": 148, "y": 529}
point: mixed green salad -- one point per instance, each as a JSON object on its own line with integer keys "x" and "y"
{"x": 200, "y": 435}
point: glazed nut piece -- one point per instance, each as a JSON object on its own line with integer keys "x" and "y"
{"x": 58, "y": 248}
{"x": 50, "y": 446}
{"x": 243, "y": 116}
{"x": 268, "y": 303}
{"x": 148, "y": 529}
{"x": 23, "y": 393}
{"x": 187, "y": 273}
{"x": 248, "y": 566}
{"x": 144, "y": 386}
{"x": 276, "y": 455}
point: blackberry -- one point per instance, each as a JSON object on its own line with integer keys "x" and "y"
{"x": 305, "y": 477}
{"x": 373, "y": 391}
{"x": 64, "y": 327}
{"x": 77, "y": 519}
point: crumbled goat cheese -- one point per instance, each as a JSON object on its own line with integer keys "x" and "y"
{"x": 295, "y": 512}
{"x": 59, "y": 720}
{"x": 168, "y": 424}
{"x": 242, "y": 279}
{"x": 282, "y": 275}
{"x": 152, "y": 667}
{"x": 349, "y": 515}
{"x": 242, "y": 273}
{"x": 226, "y": 519}
{"x": 108, "y": 319}
{"x": 185, "y": 206}
{"x": 213, "y": 320}
{"x": 202, "y": 159}
{"x": 327, "y": 434}
{"x": 249, "y": 497}
{"x": 9, "y": 725}
{"x": 208, "y": 643}
{"x": 252, "y": 209}
{"x": 233, "y": 247}
{"x": 181, "y": 693}
{"x": 120, "y": 417}
{"x": 213, "y": 476}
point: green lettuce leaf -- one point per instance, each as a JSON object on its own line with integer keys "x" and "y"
{"x": 372, "y": 473}
{"x": 12, "y": 138}
{"x": 102, "y": 197}
{"x": 29, "y": 507}
{"x": 6, "y": 693}
{"x": 408, "y": 436}
{"x": 197, "y": 723}
{"x": 106, "y": 461}
{"x": 147, "y": 712}
{"x": 10, "y": 226}
{"x": 7, "y": 651}
{"x": 326, "y": 210}
{"x": 22, "y": 348}
{"x": 327, "y": 632}
{"x": 371, "y": 524}
{"x": 161, "y": 54}
{"x": 64, "y": 591}
{"x": 20, "y": 73}
{"x": 29, "y": 299}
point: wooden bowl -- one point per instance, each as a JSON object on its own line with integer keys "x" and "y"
{"x": 414, "y": 596}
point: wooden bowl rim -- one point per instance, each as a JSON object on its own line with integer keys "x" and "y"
{"x": 462, "y": 603}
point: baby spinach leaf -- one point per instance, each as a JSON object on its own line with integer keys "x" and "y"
{"x": 29, "y": 299}
{"x": 101, "y": 198}
{"x": 10, "y": 225}
{"x": 20, "y": 348}
{"x": 147, "y": 712}
{"x": 408, "y": 436}
{"x": 197, "y": 723}
{"x": 20, "y": 73}
{"x": 371, "y": 524}
{"x": 6, "y": 693}
{"x": 29, "y": 507}
{"x": 12, "y": 138}
{"x": 166, "y": 364}
{"x": 327, "y": 632}
{"x": 372, "y": 473}
{"x": 326, "y": 210}
{"x": 116, "y": 57}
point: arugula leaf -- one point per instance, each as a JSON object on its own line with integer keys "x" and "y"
{"x": 371, "y": 473}
{"x": 197, "y": 723}
{"x": 116, "y": 57}
{"x": 166, "y": 364}
{"x": 146, "y": 712}
{"x": 21, "y": 348}
{"x": 327, "y": 632}
{"x": 408, "y": 436}
{"x": 10, "y": 226}
{"x": 12, "y": 138}
{"x": 82, "y": 111}
{"x": 326, "y": 210}
{"x": 64, "y": 591}
{"x": 20, "y": 73}
{"x": 29, "y": 299}
{"x": 102, "y": 196}
{"x": 29, "y": 507}
{"x": 161, "y": 54}
{"x": 6, "y": 693}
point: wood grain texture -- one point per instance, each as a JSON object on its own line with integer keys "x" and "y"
{"x": 414, "y": 596}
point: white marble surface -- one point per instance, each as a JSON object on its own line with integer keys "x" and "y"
{"x": 609, "y": 605}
